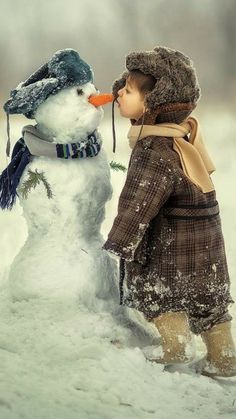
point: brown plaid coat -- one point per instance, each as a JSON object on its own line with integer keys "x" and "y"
{"x": 168, "y": 235}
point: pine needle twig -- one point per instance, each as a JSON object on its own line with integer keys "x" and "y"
{"x": 33, "y": 180}
{"x": 117, "y": 166}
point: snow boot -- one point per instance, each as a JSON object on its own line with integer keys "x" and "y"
{"x": 221, "y": 354}
{"x": 176, "y": 345}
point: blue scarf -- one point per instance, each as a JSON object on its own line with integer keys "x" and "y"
{"x": 21, "y": 157}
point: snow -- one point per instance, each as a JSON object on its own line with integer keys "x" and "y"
{"x": 63, "y": 357}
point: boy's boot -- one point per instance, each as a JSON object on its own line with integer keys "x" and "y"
{"x": 221, "y": 354}
{"x": 176, "y": 338}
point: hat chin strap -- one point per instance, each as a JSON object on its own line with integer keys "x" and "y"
{"x": 142, "y": 123}
{"x": 113, "y": 126}
{"x": 8, "y": 147}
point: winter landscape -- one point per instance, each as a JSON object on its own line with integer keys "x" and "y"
{"x": 63, "y": 358}
{"x": 68, "y": 350}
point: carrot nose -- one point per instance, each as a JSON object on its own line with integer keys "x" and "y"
{"x": 101, "y": 99}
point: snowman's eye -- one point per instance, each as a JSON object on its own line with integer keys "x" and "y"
{"x": 80, "y": 92}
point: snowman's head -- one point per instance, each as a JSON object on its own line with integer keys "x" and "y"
{"x": 68, "y": 115}
{"x": 57, "y": 96}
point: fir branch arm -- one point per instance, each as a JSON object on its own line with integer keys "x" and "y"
{"x": 117, "y": 166}
{"x": 33, "y": 180}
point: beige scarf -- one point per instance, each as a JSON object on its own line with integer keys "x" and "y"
{"x": 195, "y": 161}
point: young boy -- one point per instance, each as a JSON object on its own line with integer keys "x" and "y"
{"x": 168, "y": 229}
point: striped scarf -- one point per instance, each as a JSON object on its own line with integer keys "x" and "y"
{"x": 79, "y": 150}
{"x": 33, "y": 144}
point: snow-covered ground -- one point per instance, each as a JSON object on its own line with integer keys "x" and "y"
{"x": 59, "y": 360}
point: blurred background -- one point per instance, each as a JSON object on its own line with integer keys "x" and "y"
{"x": 105, "y": 31}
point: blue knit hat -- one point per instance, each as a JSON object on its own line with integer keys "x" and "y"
{"x": 64, "y": 69}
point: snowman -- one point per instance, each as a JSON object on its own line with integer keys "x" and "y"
{"x": 62, "y": 256}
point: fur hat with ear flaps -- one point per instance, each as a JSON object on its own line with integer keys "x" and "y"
{"x": 176, "y": 79}
{"x": 66, "y": 68}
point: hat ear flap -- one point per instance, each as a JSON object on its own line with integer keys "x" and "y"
{"x": 27, "y": 99}
{"x": 163, "y": 92}
{"x": 119, "y": 84}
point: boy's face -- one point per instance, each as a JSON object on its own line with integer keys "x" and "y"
{"x": 130, "y": 101}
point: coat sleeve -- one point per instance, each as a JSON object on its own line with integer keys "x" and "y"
{"x": 148, "y": 185}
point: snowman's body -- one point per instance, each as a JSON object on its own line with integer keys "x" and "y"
{"x": 63, "y": 256}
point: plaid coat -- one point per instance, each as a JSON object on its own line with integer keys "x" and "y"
{"x": 168, "y": 235}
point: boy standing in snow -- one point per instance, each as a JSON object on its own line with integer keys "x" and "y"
{"x": 168, "y": 229}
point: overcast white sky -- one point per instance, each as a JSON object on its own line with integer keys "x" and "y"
{"x": 104, "y": 32}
